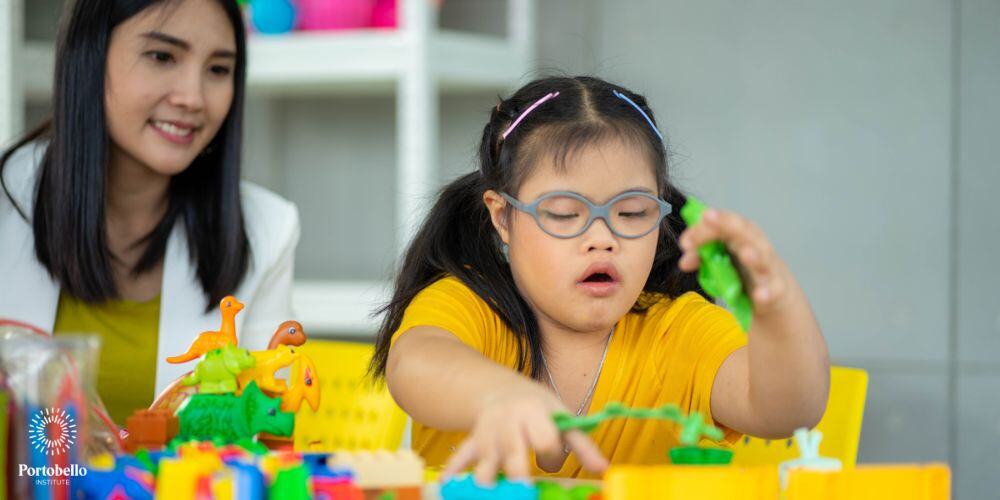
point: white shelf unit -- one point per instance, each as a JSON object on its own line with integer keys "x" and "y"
{"x": 415, "y": 64}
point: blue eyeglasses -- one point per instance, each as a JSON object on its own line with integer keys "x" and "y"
{"x": 564, "y": 214}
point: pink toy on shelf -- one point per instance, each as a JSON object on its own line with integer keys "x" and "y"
{"x": 316, "y": 15}
{"x": 384, "y": 15}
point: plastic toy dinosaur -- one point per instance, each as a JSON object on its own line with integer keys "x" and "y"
{"x": 718, "y": 273}
{"x": 206, "y": 341}
{"x": 231, "y": 418}
{"x": 218, "y": 372}
{"x": 303, "y": 384}
{"x": 288, "y": 333}
{"x": 266, "y": 363}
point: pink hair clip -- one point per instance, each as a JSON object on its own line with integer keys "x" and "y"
{"x": 531, "y": 108}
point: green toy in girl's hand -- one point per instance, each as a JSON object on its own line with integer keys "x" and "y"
{"x": 717, "y": 274}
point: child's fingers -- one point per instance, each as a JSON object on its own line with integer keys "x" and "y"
{"x": 461, "y": 459}
{"x": 689, "y": 261}
{"x": 543, "y": 436}
{"x": 587, "y": 452}
{"x": 729, "y": 227}
{"x": 751, "y": 259}
{"x": 485, "y": 473}
{"x": 515, "y": 453}
{"x": 768, "y": 291}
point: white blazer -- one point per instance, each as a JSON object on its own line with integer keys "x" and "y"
{"x": 29, "y": 294}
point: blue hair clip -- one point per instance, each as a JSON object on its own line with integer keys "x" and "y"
{"x": 641, "y": 112}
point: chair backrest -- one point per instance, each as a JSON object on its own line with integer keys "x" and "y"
{"x": 841, "y": 425}
{"x": 354, "y": 414}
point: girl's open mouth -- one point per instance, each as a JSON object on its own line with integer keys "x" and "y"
{"x": 601, "y": 279}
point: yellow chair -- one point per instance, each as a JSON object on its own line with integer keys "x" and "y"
{"x": 353, "y": 413}
{"x": 841, "y": 425}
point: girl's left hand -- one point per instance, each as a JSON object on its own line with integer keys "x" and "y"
{"x": 766, "y": 279}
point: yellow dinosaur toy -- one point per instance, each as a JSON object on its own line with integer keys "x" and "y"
{"x": 268, "y": 362}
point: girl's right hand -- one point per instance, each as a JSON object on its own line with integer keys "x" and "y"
{"x": 508, "y": 427}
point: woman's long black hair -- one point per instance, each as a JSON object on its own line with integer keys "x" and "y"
{"x": 69, "y": 208}
{"x": 458, "y": 237}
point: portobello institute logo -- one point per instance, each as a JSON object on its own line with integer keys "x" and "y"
{"x": 52, "y": 431}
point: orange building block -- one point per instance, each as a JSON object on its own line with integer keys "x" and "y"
{"x": 666, "y": 482}
{"x": 872, "y": 482}
{"x": 150, "y": 429}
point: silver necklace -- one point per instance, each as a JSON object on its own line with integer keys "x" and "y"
{"x": 593, "y": 385}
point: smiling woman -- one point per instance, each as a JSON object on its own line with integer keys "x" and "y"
{"x": 130, "y": 197}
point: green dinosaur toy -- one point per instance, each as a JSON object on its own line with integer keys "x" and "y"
{"x": 693, "y": 426}
{"x": 717, "y": 274}
{"x": 230, "y": 418}
{"x": 218, "y": 372}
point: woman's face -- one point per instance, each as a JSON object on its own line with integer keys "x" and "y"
{"x": 589, "y": 282}
{"x": 169, "y": 82}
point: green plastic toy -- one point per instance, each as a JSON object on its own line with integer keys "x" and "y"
{"x": 717, "y": 274}
{"x": 218, "y": 372}
{"x": 142, "y": 455}
{"x": 291, "y": 484}
{"x": 696, "y": 455}
{"x": 693, "y": 427}
{"x": 231, "y": 418}
{"x": 553, "y": 491}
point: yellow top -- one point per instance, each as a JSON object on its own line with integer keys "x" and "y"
{"x": 668, "y": 354}
{"x": 126, "y": 375}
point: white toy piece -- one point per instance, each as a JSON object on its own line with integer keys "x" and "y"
{"x": 809, "y": 459}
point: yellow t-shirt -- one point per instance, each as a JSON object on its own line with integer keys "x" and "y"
{"x": 669, "y": 353}
{"x": 126, "y": 374}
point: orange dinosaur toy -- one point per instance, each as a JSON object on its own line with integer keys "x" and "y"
{"x": 303, "y": 384}
{"x": 288, "y": 333}
{"x": 209, "y": 340}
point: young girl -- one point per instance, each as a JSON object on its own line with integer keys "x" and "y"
{"x": 558, "y": 277}
{"x": 124, "y": 215}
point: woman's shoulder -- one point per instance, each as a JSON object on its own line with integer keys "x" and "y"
{"x": 20, "y": 174}
{"x": 272, "y": 222}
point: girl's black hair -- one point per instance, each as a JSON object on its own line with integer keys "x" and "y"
{"x": 458, "y": 237}
{"x": 69, "y": 207}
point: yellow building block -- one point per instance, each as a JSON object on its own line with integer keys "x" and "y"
{"x": 354, "y": 413}
{"x": 872, "y": 482}
{"x": 666, "y": 482}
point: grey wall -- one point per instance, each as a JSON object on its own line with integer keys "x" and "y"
{"x": 977, "y": 301}
{"x": 335, "y": 158}
{"x": 861, "y": 136}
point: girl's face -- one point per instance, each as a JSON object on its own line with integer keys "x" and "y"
{"x": 589, "y": 282}
{"x": 169, "y": 83}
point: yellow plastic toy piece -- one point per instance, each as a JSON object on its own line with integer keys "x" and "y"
{"x": 354, "y": 414}
{"x": 841, "y": 426}
{"x": 268, "y": 362}
{"x": 103, "y": 461}
{"x": 637, "y": 482}
{"x": 872, "y": 482}
{"x": 178, "y": 478}
{"x": 223, "y": 488}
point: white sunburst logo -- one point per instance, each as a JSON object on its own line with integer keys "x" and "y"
{"x": 52, "y": 431}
